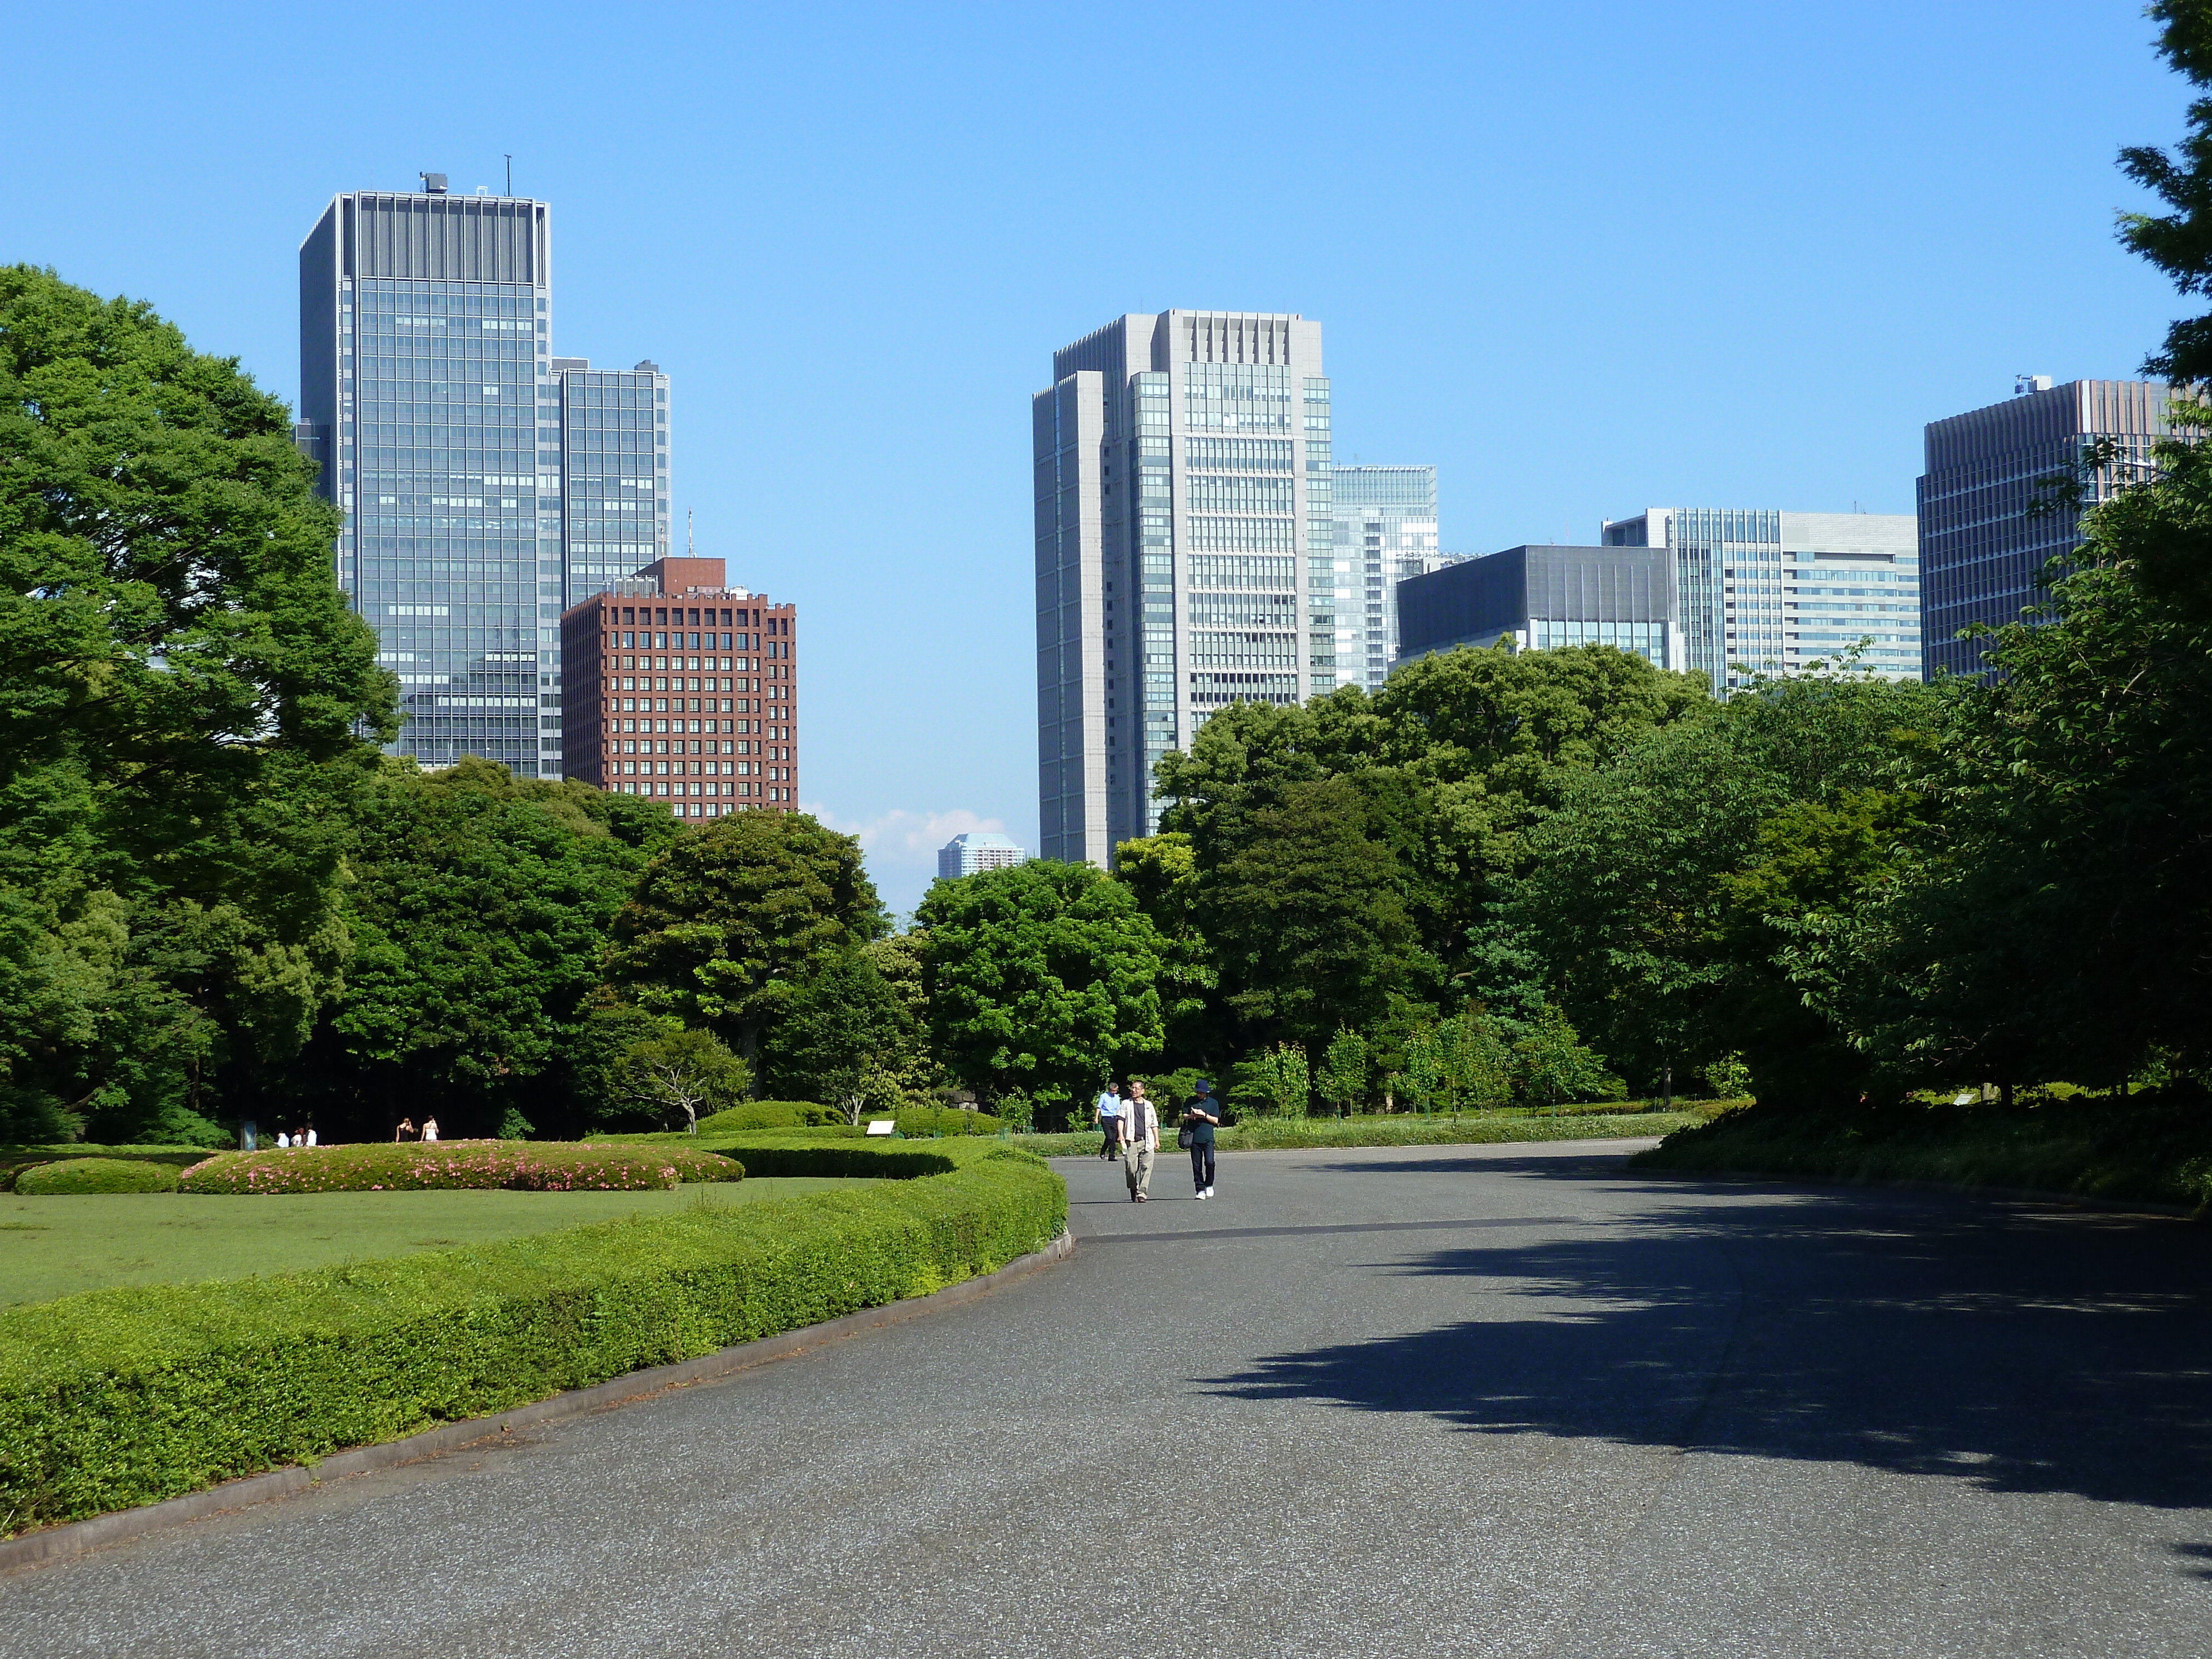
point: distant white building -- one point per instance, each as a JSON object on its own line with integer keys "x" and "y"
{"x": 963, "y": 855}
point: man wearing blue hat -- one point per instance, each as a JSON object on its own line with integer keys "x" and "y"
{"x": 1201, "y": 1115}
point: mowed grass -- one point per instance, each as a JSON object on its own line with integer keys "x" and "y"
{"x": 54, "y": 1247}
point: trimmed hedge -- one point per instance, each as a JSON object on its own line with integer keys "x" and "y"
{"x": 14, "y": 1160}
{"x": 97, "y": 1174}
{"x": 944, "y": 1120}
{"x": 116, "y": 1398}
{"x": 768, "y": 1114}
{"x": 412, "y": 1166}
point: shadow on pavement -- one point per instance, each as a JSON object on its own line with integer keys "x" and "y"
{"x": 2023, "y": 1351}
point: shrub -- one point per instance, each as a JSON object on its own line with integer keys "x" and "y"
{"x": 97, "y": 1174}
{"x": 919, "y": 1120}
{"x": 768, "y": 1114}
{"x": 527, "y": 1166}
{"x": 120, "y": 1397}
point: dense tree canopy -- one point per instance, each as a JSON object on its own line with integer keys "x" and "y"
{"x": 727, "y": 922}
{"x": 1041, "y": 982}
{"x": 180, "y": 685}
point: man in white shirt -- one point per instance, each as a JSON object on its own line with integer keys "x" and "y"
{"x": 1140, "y": 1138}
{"x": 1107, "y": 1113}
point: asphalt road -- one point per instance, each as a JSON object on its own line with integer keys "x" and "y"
{"x": 1497, "y": 1401}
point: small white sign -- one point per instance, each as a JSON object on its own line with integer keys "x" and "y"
{"x": 882, "y": 1126}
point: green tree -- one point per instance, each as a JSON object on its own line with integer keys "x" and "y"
{"x": 1277, "y": 1079}
{"x": 1344, "y": 1071}
{"x": 1042, "y": 980}
{"x": 1161, "y": 872}
{"x": 180, "y": 687}
{"x": 844, "y": 1020}
{"x": 680, "y": 1073}
{"x": 480, "y": 910}
{"x": 729, "y": 920}
{"x": 2179, "y": 243}
{"x": 1309, "y": 917}
{"x": 1554, "y": 1065}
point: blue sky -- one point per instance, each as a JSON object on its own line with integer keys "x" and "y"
{"x": 1584, "y": 257}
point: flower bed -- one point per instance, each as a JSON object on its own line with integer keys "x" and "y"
{"x": 522, "y": 1165}
{"x": 116, "y": 1398}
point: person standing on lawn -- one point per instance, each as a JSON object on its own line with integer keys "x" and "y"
{"x": 1201, "y": 1115}
{"x": 1107, "y": 1115}
{"x": 1141, "y": 1139}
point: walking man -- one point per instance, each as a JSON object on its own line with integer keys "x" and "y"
{"x": 1201, "y": 1115}
{"x": 1140, "y": 1138}
{"x": 1108, "y": 1113}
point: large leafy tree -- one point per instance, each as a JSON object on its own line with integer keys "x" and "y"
{"x": 481, "y": 911}
{"x": 1042, "y": 980}
{"x": 1663, "y": 892}
{"x": 1309, "y": 917}
{"x": 2179, "y": 242}
{"x": 842, "y": 1025}
{"x": 181, "y": 689}
{"x": 729, "y": 921}
{"x": 1455, "y": 758}
{"x": 1161, "y": 871}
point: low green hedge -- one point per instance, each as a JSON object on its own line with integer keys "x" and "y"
{"x": 523, "y": 1165}
{"x": 1394, "y": 1129}
{"x": 14, "y": 1160}
{"x": 97, "y": 1174}
{"x": 116, "y": 1398}
{"x": 769, "y": 1115}
{"x": 919, "y": 1123}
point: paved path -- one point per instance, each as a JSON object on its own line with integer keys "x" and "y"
{"x": 1506, "y": 1400}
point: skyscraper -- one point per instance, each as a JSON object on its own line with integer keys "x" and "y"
{"x": 1182, "y": 488}
{"x": 614, "y": 469}
{"x": 1981, "y": 546}
{"x": 1759, "y": 589}
{"x": 1386, "y": 533}
{"x": 425, "y": 327}
{"x": 978, "y": 850}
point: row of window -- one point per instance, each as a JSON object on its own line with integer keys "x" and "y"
{"x": 713, "y": 809}
{"x": 711, "y": 747}
{"x": 741, "y": 768}
{"x": 744, "y": 705}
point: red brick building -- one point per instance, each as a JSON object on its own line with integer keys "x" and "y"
{"x": 678, "y": 686}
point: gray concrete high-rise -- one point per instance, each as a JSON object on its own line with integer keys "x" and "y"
{"x": 1185, "y": 551}
{"x": 1983, "y": 541}
{"x": 1761, "y": 590}
{"x": 1386, "y": 533}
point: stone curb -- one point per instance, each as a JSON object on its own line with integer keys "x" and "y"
{"x": 73, "y": 1537}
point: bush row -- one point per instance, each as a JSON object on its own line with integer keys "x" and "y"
{"x": 523, "y": 1165}
{"x": 116, "y": 1398}
{"x": 1396, "y": 1129}
{"x": 916, "y": 1123}
{"x": 16, "y": 1160}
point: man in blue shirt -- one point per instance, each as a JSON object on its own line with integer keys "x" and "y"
{"x": 1108, "y": 1115}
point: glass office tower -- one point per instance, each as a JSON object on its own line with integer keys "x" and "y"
{"x": 1185, "y": 551}
{"x": 1983, "y": 542}
{"x": 425, "y": 324}
{"x": 1757, "y": 590}
{"x": 1386, "y": 533}
{"x": 614, "y": 466}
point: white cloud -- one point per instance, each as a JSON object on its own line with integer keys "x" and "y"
{"x": 904, "y": 839}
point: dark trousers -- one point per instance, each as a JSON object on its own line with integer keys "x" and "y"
{"x": 1201, "y": 1164}
{"x": 1111, "y": 1146}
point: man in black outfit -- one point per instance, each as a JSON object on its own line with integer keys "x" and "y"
{"x": 1201, "y": 1115}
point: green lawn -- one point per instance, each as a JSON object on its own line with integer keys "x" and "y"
{"x": 52, "y": 1246}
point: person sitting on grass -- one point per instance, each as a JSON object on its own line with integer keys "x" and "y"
{"x": 430, "y": 1128}
{"x": 405, "y": 1131}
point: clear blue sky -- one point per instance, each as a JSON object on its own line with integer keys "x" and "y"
{"x": 1583, "y": 256}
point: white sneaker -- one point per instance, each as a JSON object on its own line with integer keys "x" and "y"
{"x": 1209, "y": 1192}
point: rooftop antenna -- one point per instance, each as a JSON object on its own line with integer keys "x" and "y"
{"x": 510, "y": 175}
{"x": 690, "y": 548}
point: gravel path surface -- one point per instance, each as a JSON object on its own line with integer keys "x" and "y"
{"x": 1500, "y": 1400}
